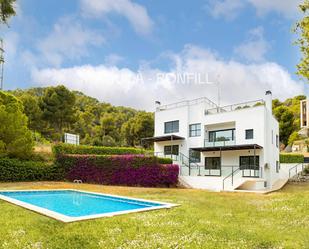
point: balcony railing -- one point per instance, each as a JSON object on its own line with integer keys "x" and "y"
{"x": 235, "y": 107}
{"x": 220, "y": 143}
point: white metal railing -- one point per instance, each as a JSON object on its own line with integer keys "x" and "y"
{"x": 186, "y": 103}
{"x": 235, "y": 107}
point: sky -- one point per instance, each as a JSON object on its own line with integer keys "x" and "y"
{"x": 134, "y": 52}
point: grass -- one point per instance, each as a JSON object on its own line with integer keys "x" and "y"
{"x": 204, "y": 220}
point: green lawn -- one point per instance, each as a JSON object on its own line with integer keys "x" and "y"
{"x": 204, "y": 220}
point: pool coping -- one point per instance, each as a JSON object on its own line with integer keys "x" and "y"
{"x": 68, "y": 219}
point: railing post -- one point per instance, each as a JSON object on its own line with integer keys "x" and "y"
{"x": 232, "y": 176}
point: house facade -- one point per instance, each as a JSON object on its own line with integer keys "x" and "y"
{"x": 220, "y": 148}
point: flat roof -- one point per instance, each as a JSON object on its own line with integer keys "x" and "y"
{"x": 229, "y": 147}
{"x": 163, "y": 138}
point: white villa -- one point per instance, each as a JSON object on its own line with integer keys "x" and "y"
{"x": 234, "y": 147}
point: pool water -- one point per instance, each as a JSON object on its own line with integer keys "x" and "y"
{"x": 73, "y": 203}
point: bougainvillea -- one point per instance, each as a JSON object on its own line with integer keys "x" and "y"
{"x": 129, "y": 170}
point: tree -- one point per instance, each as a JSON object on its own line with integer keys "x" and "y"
{"x": 6, "y": 10}
{"x": 285, "y": 118}
{"x": 138, "y": 127}
{"x": 57, "y": 105}
{"x": 15, "y": 138}
{"x": 302, "y": 28}
{"x": 33, "y": 112}
{"x": 293, "y": 137}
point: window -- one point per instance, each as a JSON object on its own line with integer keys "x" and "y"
{"x": 222, "y": 135}
{"x": 171, "y": 150}
{"x": 247, "y": 162}
{"x": 212, "y": 163}
{"x": 277, "y": 141}
{"x": 194, "y": 130}
{"x": 171, "y": 126}
{"x": 195, "y": 156}
{"x": 249, "y": 134}
{"x": 277, "y": 166}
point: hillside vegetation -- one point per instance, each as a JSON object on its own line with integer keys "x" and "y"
{"x": 52, "y": 111}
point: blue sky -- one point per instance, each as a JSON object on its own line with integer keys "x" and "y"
{"x": 114, "y": 50}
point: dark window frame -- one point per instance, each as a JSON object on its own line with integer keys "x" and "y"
{"x": 174, "y": 127}
{"x": 214, "y": 139}
{"x": 247, "y": 134}
{"x": 196, "y": 132}
{"x": 174, "y": 149}
{"x": 212, "y": 167}
{"x": 194, "y": 159}
{"x": 251, "y": 165}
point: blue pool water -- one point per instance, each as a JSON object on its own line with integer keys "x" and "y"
{"x": 76, "y": 204}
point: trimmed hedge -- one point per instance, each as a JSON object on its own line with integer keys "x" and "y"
{"x": 12, "y": 170}
{"x": 163, "y": 160}
{"x": 61, "y": 149}
{"x": 291, "y": 158}
{"x": 129, "y": 170}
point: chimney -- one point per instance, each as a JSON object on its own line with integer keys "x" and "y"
{"x": 157, "y": 103}
{"x": 268, "y": 101}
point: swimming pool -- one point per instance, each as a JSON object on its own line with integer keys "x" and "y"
{"x": 73, "y": 205}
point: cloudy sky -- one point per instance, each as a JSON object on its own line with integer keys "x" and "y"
{"x": 133, "y": 52}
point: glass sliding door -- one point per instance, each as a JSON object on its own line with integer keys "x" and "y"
{"x": 213, "y": 166}
{"x": 250, "y": 165}
{"x": 220, "y": 138}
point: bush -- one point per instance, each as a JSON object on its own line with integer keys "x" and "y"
{"x": 18, "y": 170}
{"x": 163, "y": 160}
{"x": 60, "y": 149}
{"x": 129, "y": 170}
{"x": 291, "y": 158}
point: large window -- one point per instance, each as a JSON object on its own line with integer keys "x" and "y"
{"x": 249, "y": 134}
{"x": 171, "y": 126}
{"x": 247, "y": 162}
{"x": 212, "y": 163}
{"x": 194, "y": 130}
{"x": 171, "y": 150}
{"x": 195, "y": 156}
{"x": 221, "y": 135}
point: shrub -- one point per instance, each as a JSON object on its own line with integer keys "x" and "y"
{"x": 163, "y": 160}
{"x": 19, "y": 170}
{"x": 60, "y": 149}
{"x": 291, "y": 158}
{"x": 130, "y": 170}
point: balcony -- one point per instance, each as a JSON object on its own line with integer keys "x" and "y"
{"x": 220, "y": 143}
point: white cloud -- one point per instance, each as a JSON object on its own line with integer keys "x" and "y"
{"x": 68, "y": 40}
{"x": 10, "y": 45}
{"x": 288, "y": 8}
{"x": 229, "y": 9}
{"x": 255, "y": 48}
{"x": 136, "y": 14}
{"x": 139, "y": 89}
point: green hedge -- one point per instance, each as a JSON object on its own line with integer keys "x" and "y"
{"x": 163, "y": 160}
{"x": 61, "y": 149}
{"x": 291, "y": 158}
{"x": 18, "y": 170}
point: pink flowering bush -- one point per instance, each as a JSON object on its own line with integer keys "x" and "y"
{"x": 129, "y": 170}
